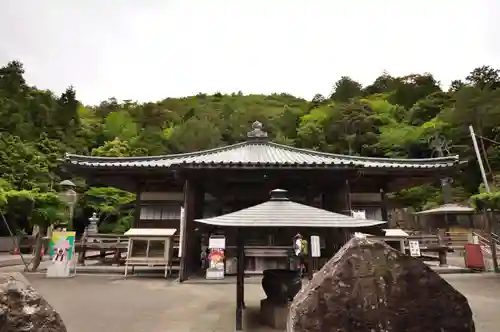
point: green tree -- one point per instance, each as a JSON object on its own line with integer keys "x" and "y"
{"x": 41, "y": 209}
{"x": 194, "y": 135}
{"x": 120, "y": 125}
{"x": 22, "y": 165}
{"x": 346, "y": 88}
{"x": 117, "y": 148}
{"x": 108, "y": 203}
{"x": 484, "y": 77}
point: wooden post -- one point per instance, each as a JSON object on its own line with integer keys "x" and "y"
{"x": 196, "y": 235}
{"x": 441, "y": 237}
{"x": 442, "y": 257}
{"x": 137, "y": 208}
{"x": 493, "y": 244}
{"x": 383, "y": 207}
{"x": 240, "y": 280}
{"x": 187, "y": 228}
{"x": 83, "y": 243}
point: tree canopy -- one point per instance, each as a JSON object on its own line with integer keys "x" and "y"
{"x": 392, "y": 117}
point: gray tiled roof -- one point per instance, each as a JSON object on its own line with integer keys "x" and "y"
{"x": 255, "y": 153}
{"x": 450, "y": 208}
{"x": 285, "y": 213}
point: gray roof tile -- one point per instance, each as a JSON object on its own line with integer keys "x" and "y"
{"x": 285, "y": 213}
{"x": 260, "y": 154}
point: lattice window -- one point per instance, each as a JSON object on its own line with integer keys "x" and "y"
{"x": 160, "y": 212}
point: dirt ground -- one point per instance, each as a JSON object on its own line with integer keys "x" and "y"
{"x": 110, "y": 303}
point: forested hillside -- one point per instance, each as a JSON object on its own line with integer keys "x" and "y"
{"x": 393, "y": 117}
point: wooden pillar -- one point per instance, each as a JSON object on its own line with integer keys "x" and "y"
{"x": 383, "y": 205}
{"x": 329, "y": 233}
{"x": 337, "y": 198}
{"x": 137, "y": 209}
{"x": 187, "y": 228}
{"x": 240, "y": 279}
{"x": 309, "y": 257}
{"x": 195, "y": 243}
{"x": 309, "y": 232}
{"x": 493, "y": 244}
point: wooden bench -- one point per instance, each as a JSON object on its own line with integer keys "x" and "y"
{"x": 106, "y": 244}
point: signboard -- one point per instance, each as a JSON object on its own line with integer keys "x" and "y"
{"x": 218, "y": 242}
{"x": 315, "y": 246}
{"x": 216, "y": 257}
{"x": 414, "y": 248}
{"x": 62, "y": 253}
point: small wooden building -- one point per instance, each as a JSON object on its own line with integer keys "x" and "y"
{"x": 448, "y": 217}
{"x": 282, "y": 219}
{"x": 229, "y": 178}
{"x": 286, "y": 217}
{"x": 149, "y": 247}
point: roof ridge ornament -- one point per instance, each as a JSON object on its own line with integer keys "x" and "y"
{"x": 257, "y": 133}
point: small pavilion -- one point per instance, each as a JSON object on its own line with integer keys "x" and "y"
{"x": 280, "y": 213}
{"x": 448, "y": 217}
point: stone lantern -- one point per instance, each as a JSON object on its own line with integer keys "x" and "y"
{"x": 92, "y": 228}
{"x": 69, "y": 196}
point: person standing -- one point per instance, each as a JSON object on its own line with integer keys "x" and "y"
{"x": 300, "y": 250}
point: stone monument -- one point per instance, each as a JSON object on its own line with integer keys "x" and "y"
{"x": 369, "y": 287}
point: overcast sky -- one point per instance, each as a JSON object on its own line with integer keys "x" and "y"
{"x": 147, "y": 50}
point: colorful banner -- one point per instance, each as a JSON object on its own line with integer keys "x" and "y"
{"x": 62, "y": 254}
{"x": 216, "y": 257}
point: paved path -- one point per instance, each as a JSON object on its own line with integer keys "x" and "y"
{"x": 110, "y": 303}
{"x": 482, "y": 291}
{"x": 97, "y": 303}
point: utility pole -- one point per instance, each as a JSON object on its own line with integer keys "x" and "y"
{"x": 490, "y": 218}
{"x": 479, "y": 159}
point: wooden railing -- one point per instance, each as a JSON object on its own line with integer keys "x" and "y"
{"x": 105, "y": 244}
{"x": 425, "y": 240}
{"x": 453, "y": 240}
{"x": 485, "y": 243}
{"x": 456, "y": 240}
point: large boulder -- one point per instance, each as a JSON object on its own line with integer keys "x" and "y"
{"x": 23, "y": 309}
{"x": 369, "y": 287}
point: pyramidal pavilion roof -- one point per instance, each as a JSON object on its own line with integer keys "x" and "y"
{"x": 279, "y": 211}
{"x": 257, "y": 151}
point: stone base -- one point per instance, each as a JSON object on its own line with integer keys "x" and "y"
{"x": 274, "y": 315}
